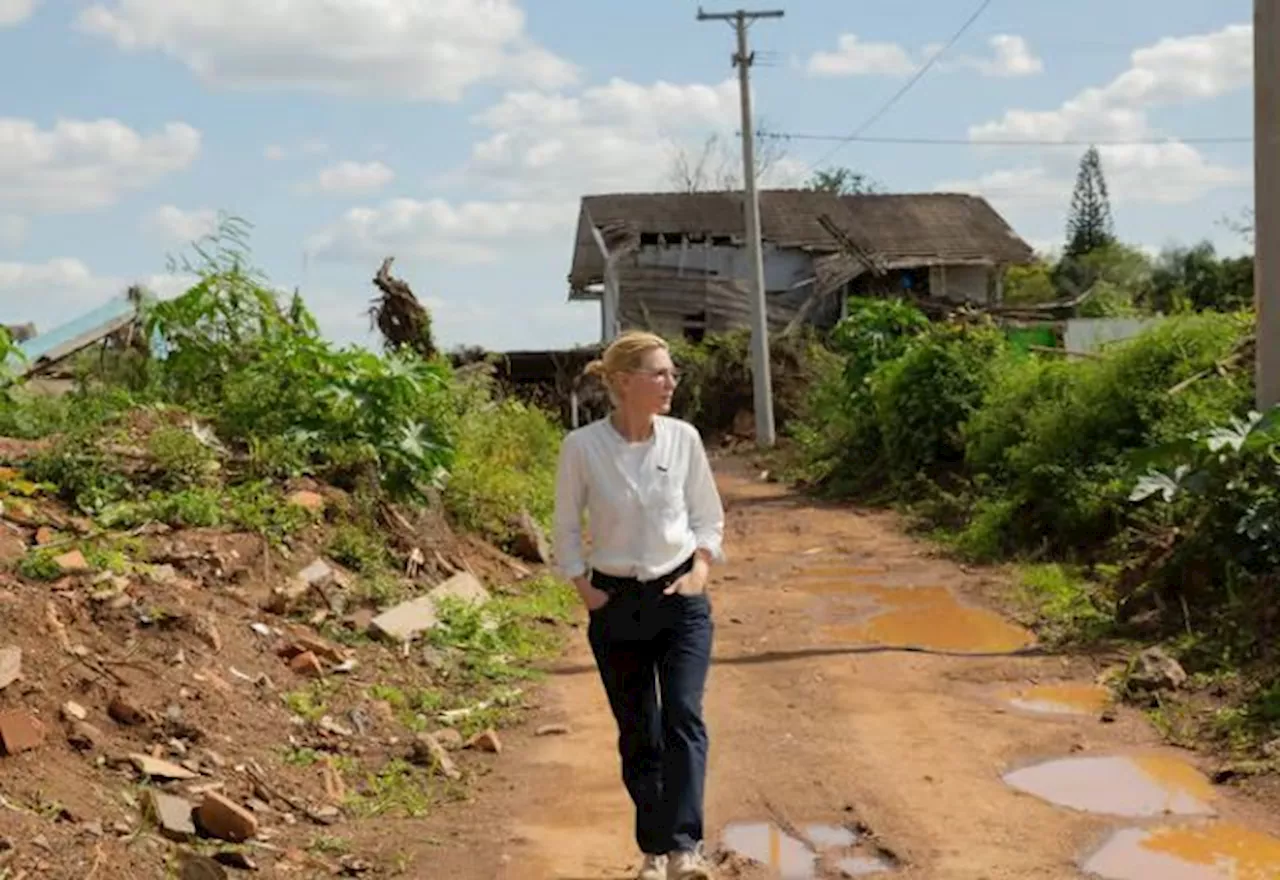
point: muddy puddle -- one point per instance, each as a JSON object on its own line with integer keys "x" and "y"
{"x": 1218, "y": 851}
{"x": 1061, "y": 699}
{"x": 823, "y": 848}
{"x": 930, "y": 618}
{"x": 1146, "y": 785}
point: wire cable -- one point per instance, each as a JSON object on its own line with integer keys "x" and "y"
{"x": 906, "y": 87}
{"x": 968, "y": 142}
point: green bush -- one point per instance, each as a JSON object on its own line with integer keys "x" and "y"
{"x": 924, "y": 398}
{"x": 505, "y": 461}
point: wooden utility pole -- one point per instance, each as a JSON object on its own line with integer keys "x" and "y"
{"x": 762, "y": 380}
{"x": 1266, "y": 163}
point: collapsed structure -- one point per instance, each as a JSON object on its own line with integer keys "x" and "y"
{"x": 677, "y": 263}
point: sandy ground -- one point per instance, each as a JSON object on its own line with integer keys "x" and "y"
{"x": 818, "y": 730}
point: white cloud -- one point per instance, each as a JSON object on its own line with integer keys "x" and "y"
{"x": 1011, "y": 56}
{"x": 419, "y": 49}
{"x": 854, "y": 57}
{"x": 60, "y": 289}
{"x": 13, "y": 230}
{"x": 309, "y": 147}
{"x": 436, "y": 229}
{"x": 354, "y": 178}
{"x": 614, "y": 137}
{"x": 180, "y": 226}
{"x": 84, "y": 165}
{"x": 1174, "y": 70}
{"x": 14, "y": 12}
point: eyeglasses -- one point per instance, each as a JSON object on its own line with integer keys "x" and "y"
{"x": 673, "y": 375}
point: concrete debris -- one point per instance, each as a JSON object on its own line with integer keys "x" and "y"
{"x": 408, "y": 619}
{"x": 172, "y": 814}
{"x": 160, "y": 769}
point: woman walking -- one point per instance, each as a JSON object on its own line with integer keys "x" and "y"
{"x": 656, "y": 524}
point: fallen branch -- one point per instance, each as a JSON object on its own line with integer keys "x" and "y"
{"x": 259, "y": 780}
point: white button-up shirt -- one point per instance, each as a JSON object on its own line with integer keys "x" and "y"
{"x": 649, "y": 505}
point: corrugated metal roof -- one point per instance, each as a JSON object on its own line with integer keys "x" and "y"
{"x": 933, "y": 227}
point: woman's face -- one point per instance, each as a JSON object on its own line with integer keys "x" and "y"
{"x": 649, "y": 387}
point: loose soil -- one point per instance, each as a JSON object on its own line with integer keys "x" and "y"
{"x": 837, "y": 753}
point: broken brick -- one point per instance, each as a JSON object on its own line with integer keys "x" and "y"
{"x": 19, "y": 732}
{"x": 72, "y": 562}
{"x": 307, "y": 664}
{"x": 486, "y": 741}
{"x": 225, "y": 820}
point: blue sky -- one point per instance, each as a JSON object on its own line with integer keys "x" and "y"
{"x": 458, "y": 135}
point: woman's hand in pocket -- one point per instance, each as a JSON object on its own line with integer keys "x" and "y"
{"x": 591, "y": 597}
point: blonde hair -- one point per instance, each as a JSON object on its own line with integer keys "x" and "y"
{"x": 623, "y": 355}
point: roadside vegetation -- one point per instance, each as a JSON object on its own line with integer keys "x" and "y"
{"x": 172, "y": 502}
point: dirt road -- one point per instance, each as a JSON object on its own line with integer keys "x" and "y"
{"x": 885, "y": 762}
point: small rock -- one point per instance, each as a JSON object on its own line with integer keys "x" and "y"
{"x": 74, "y": 711}
{"x": 206, "y": 629}
{"x": 552, "y": 730}
{"x": 162, "y": 575}
{"x": 312, "y": 501}
{"x": 449, "y": 738}
{"x": 83, "y": 736}
{"x": 235, "y": 859}
{"x": 307, "y": 664}
{"x": 10, "y": 666}
{"x": 45, "y": 536}
{"x": 354, "y": 867}
{"x": 530, "y": 542}
{"x": 486, "y": 741}
{"x": 328, "y": 725}
{"x": 19, "y": 732}
{"x": 1156, "y": 670}
{"x": 1272, "y": 749}
{"x": 72, "y": 562}
{"x": 196, "y": 867}
{"x": 126, "y": 712}
{"x": 172, "y": 814}
{"x": 318, "y": 574}
{"x": 321, "y": 648}
{"x": 225, "y": 820}
{"x": 156, "y": 768}
{"x": 428, "y": 751}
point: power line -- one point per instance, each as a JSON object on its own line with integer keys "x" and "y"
{"x": 968, "y": 142}
{"x": 906, "y": 87}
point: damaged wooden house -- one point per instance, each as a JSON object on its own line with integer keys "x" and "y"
{"x": 676, "y": 263}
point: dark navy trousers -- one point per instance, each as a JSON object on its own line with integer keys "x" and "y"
{"x": 654, "y": 653}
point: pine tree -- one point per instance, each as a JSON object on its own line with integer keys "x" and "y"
{"x": 1089, "y": 226}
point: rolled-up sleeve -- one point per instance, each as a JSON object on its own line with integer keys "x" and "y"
{"x": 706, "y": 512}
{"x": 571, "y": 497}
